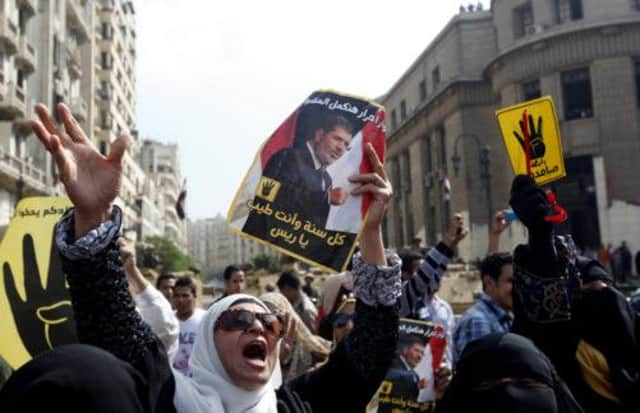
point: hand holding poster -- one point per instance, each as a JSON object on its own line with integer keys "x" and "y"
{"x": 410, "y": 382}
{"x": 296, "y": 196}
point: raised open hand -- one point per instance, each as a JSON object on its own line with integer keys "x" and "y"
{"x": 537, "y": 147}
{"x": 92, "y": 180}
{"x": 44, "y": 319}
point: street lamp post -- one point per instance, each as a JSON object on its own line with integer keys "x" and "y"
{"x": 485, "y": 169}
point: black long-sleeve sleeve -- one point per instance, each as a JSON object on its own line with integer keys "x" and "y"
{"x": 355, "y": 369}
{"x": 104, "y": 311}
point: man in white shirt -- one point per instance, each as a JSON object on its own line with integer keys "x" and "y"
{"x": 184, "y": 299}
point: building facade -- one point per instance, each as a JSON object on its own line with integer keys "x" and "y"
{"x": 584, "y": 54}
{"x": 211, "y": 242}
{"x": 160, "y": 163}
{"x": 82, "y": 53}
{"x": 113, "y": 94}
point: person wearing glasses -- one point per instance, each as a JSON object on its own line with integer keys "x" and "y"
{"x": 122, "y": 366}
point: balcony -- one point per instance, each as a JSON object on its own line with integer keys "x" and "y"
{"x": 74, "y": 63}
{"x": 15, "y": 171}
{"x": 22, "y": 125}
{"x": 26, "y": 56}
{"x": 8, "y": 35}
{"x": 29, "y": 6}
{"x": 79, "y": 108}
{"x": 12, "y": 105}
{"x": 79, "y": 18}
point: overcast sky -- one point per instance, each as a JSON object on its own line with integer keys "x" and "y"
{"x": 217, "y": 77}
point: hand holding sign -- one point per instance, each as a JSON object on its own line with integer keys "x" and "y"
{"x": 376, "y": 184}
{"x": 92, "y": 180}
{"x": 51, "y": 323}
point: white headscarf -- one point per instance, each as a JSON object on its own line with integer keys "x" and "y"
{"x": 210, "y": 389}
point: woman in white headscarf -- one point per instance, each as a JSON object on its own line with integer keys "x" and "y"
{"x": 236, "y": 349}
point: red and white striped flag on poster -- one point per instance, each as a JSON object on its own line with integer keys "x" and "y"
{"x": 182, "y": 198}
{"x": 446, "y": 187}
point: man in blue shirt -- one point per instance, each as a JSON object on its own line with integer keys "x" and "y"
{"x": 491, "y": 312}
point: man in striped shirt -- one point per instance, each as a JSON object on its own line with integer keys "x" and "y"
{"x": 419, "y": 300}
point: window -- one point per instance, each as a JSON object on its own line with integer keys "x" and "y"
{"x": 104, "y": 59}
{"x": 567, "y": 10}
{"x": 531, "y": 90}
{"x": 443, "y": 148}
{"x": 429, "y": 155}
{"x": 107, "y": 31}
{"x": 423, "y": 90}
{"x": 395, "y": 173}
{"x": 57, "y": 50}
{"x": 406, "y": 171}
{"x": 576, "y": 88}
{"x": 523, "y": 21}
{"x": 403, "y": 110}
{"x": 435, "y": 77}
{"x": 103, "y": 148}
{"x": 637, "y": 72}
{"x": 394, "y": 119}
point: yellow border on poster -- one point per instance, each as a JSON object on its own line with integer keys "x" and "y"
{"x": 519, "y": 167}
{"x": 233, "y": 207}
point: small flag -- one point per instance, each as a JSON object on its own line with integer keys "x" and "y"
{"x": 446, "y": 188}
{"x": 181, "y": 200}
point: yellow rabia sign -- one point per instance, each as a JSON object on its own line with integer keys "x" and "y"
{"x": 34, "y": 301}
{"x": 532, "y": 136}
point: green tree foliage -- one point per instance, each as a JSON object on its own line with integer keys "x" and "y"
{"x": 169, "y": 256}
{"x": 267, "y": 262}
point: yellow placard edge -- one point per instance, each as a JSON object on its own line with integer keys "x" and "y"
{"x": 546, "y": 98}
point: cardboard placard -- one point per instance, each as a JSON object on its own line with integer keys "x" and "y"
{"x": 531, "y": 134}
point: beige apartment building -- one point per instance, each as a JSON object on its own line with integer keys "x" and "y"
{"x": 585, "y": 54}
{"x": 43, "y": 49}
{"x": 161, "y": 165}
{"x": 115, "y": 100}
{"x": 83, "y": 53}
{"x": 211, "y": 242}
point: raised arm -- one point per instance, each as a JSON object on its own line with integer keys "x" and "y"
{"x": 358, "y": 365}
{"x": 426, "y": 281}
{"x": 86, "y": 238}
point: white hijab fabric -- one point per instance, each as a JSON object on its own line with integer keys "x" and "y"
{"x": 210, "y": 389}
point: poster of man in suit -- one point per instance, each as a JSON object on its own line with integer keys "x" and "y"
{"x": 409, "y": 384}
{"x": 296, "y": 196}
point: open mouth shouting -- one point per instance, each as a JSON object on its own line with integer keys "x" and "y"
{"x": 255, "y": 354}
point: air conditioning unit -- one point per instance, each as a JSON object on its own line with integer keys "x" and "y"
{"x": 534, "y": 29}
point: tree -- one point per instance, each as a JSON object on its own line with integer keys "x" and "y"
{"x": 266, "y": 262}
{"x": 170, "y": 258}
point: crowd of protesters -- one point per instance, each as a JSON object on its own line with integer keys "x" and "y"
{"x": 548, "y": 333}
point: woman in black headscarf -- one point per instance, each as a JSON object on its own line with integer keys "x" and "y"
{"x": 506, "y": 373}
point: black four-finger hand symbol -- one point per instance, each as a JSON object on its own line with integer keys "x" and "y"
{"x": 537, "y": 148}
{"x": 44, "y": 319}
{"x": 267, "y": 187}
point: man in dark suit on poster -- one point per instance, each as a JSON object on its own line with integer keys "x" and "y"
{"x": 406, "y": 382}
{"x": 303, "y": 183}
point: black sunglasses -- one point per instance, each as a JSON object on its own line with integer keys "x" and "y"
{"x": 242, "y": 320}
